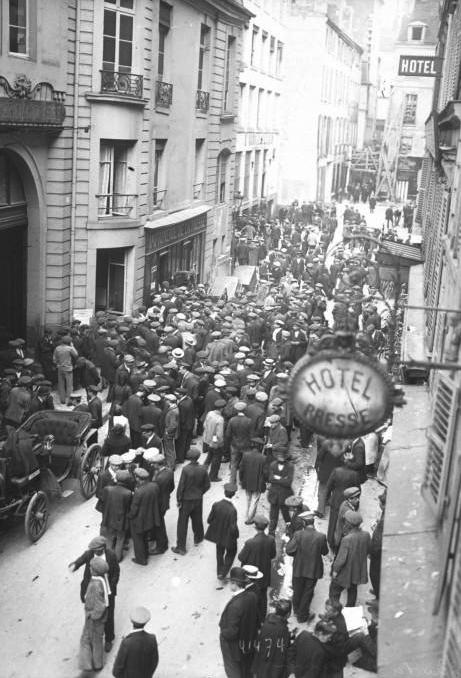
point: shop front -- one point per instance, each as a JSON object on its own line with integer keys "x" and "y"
{"x": 175, "y": 249}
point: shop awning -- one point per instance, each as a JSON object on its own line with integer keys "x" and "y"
{"x": 245, "y": 274}
{"x": 177, "y": 217}
{"x": 402, "y": 250}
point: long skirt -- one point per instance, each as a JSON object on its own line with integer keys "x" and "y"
{"x": 91, "y": 653}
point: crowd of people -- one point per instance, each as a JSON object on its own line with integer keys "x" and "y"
{"x": 205, "y": 380}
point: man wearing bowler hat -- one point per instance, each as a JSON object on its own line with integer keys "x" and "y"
{"x": 137, "y": 656}
{"x": 223, "y": 530}
{"x": 164, "y": 479}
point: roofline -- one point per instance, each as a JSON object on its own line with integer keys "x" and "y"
{"x": 344, "y": 36}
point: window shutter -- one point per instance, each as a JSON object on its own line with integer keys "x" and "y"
{"x": 440, "y": 436}
{"x": 450, "y": 570}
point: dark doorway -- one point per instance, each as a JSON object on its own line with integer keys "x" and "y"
{"x": 110, "y": 279}
{"x": 12, "y": 283}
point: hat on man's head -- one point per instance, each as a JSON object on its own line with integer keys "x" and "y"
{"x": 351, "y": 492}
{"x": 141, "y": 473}
{"x": 353, "y": 518}
{"x": 115, "y": 460}
{"x": 260, "y": 521}
{"x": 140, "y": 616}
{"x": 128, "y": 358}
{"x": 230, "y": 488}
{"x": 150, "y": 454}
{"x": 128, "y": 457}
{"x": 16, "y": 343}
{"x": 220, "y": 403}
{"x": 194, "y": 453}
{"x": 97, "y": 543}
{"x": 123, "y": 477}
{"x": 238, "y": 574}
{"x": 252, "y": 572}
{"x": 261, "y": 396}
{"x": 274, "y": 419}
{"x": 240, "y": 406}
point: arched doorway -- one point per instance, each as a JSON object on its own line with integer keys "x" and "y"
{"x": 13, "y": 249}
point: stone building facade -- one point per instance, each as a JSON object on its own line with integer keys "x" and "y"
{"x": 117, "y": 147}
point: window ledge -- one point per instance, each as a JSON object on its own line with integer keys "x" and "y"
{"x": 201, "y": 114}
{"x": 113, "y": 98}
{"x": 162, "y": 110}
{"x": 227, "y": 117}
{"x": 113, "y": 223}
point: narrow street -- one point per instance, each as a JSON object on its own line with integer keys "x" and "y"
{"x": 183, "y": 593}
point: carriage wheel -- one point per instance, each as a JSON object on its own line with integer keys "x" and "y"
{"x": 90, "y": 469}
{"x": 37, "y": 514}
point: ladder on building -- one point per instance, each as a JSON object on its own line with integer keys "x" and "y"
{"x": 389, "y": 155}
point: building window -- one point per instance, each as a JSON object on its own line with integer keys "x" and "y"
{"x": 262, "y": 63}
{"x": 238, "y": 162}
{"x": 246, "y": 176}
{"x": 409, "y": 114}
{"x": 256, "y": 173}
{"x": 259, "y": 110}
{"x": 278, "y": 64}
{"x": 110, "y": 279}
{"x": 199, "y": 170}
{"x": 416, "y": 32}
{"x": 203, "y": 49}
{"x": 254, "y": 42}
{"x": 18, "y": 27}
{"x": 159, "y": 189}
{"x": 117, "y": 51}
{"x": 163, "y": 30}
{"x": 116, "y": 195}
{"x": 271, "y": 54}
{"x": 229, "y": 74}
{"x": 221, "y": 176}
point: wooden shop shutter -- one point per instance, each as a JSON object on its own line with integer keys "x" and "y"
{"x": 440, "y": 439}
{"x": 425, "y": 169}
{"x": 442, "y": 204}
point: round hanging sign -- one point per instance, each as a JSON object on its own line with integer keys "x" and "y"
{"x": 341, "y": 395}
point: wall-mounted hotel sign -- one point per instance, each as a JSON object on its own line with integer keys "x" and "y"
{"x": 413, "y": 65}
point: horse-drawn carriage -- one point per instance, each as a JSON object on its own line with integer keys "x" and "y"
{"x": 49, "y": 447}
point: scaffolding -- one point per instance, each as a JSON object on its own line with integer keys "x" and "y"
{"x": 389, "y": 154}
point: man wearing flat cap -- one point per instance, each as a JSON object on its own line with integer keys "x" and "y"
{"x": 237, "y": 438}
{"x": 97, "y": 548}
{"x": 186, "y": 420}
{"x": 137, "y": 656}
{"x": 164, "y": 479}
{"x": 238, "y": 626}
{"x": 144, "y": 514}
{"x": 223, "y": 531}
{"x": 351, "y": 502}
{"x": 260, "y": 550}
{"x": 350, "y": 567}
{"x": 193, "y": 484}
{"x": 116, "y": 503}
{"x": 253, "y": 477}
{"x": 307, "y": 546}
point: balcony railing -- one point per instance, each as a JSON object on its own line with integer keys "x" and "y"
{"x": 164, "y": 94}
{"x": 158, "y": 198}
{"x": 115, "y": 204}
{"x": 202, "y": 101}
{"x": 127, "y": 84}
{"x": 198, "y": 190}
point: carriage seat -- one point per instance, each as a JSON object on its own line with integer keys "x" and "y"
{"x": 64, "y": 432}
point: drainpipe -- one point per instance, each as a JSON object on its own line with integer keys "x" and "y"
{"x": 74, "y": 160}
